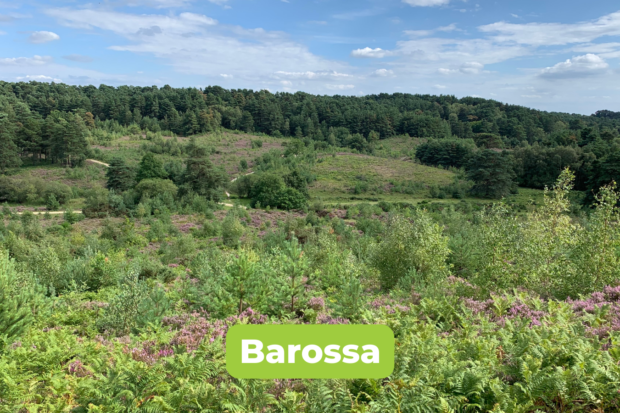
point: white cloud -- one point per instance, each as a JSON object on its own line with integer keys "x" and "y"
{"x": 311, "y": 75}
{"x": 38, "y": 78}
{"x": 383, "y": 73}
{"x": 226, "y": 76}
{"x": 549, "y": 34}
{"x": 149, "y": 31}
{"x": 26, "y": 61}
{"x": 2, "y": 33}
{"x": 158, "y": 4}
{"x": 440, "y": 86}
{"x": 579, "y": 66}
{"x": 367, "y": 52}
{"x": 340, "y": 87}
{"x": 468, "y": 68}
{"x": 426, "y": 3}
{"x": 352, "y": 15}
{"x": 423, "y": 33}
{"x": 219, "y": 2}
{"x": 78, "y": 58}
{"x": 418, "y": 33}
{"x": 196, "y": 44}
{"x": 286, "y": 83}
{"x": 43, "y": 37}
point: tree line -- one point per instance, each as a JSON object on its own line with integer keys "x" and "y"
{"x": 53, "y": 121}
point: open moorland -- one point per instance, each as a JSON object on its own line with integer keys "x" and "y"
{"x": 133, "y": 237}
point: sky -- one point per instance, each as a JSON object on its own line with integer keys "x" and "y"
{"x": 552, "y": 55}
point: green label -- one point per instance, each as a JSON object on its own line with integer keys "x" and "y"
{"x": 309, "y": 351}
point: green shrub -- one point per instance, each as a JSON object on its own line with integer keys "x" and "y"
{"x": 121, "y": 316}
{"x": 416, "y": 243}
{"x": 232, "y": 231}
{"x": 151, "y": 188}
{"x": 18, "y": 300}
{"x": 52, "y": 203}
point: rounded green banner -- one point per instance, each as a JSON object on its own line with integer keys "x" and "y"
{"x": 309, "y": 351}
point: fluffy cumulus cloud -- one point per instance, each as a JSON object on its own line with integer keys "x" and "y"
{"x": 468, "y": 68}
{"x": 196, "y": 44}
{"x": 579, "y": 66}
{"x": 367, "y": 52}
{"x": 339, "y": 87}
{"x": 426, "y": 3}
{"x": 37, "y": 78}
{"x": 383, "y": 73}
{"x": 550, "y": 34}
{"x": 423, "y": 60}
{"x": 43, "y": 37}
{"x": 159, "y": 4}
{"x": 311, "y": 75}
{"x": 26, "y": 61}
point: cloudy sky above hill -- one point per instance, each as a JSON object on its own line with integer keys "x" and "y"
{"x": 552, "y": 55}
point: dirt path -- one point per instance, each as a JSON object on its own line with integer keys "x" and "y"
{"x": 46, "y": 212}
{"x": 97, "y": 162}
{"x": 107, "y": 165}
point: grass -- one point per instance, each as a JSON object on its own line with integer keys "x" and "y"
{"x": 398, "y": 147}
{"x": 230, "y": 147}
{"x": 338, "y": 176}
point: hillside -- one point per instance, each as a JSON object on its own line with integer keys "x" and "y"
{"x": 158, "y": 230}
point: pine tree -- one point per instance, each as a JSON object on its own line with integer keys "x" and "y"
{"x": 247, "y": 122}
{"x": 190, "y": 123}
{"x": 76, "y": 145}
{"x": 9, "y": 157}
{"x": 492, "y": 174}
{"x": 119, "y": 175}
{"x": 202, "y": 177}
{"x": 150, "y": 167}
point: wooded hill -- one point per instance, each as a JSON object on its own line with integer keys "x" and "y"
{"x": 53, "y": 120}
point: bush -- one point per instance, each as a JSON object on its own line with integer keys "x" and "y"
{"x": 121, "y": 316}
{"x": 97, "y": 203}
{"x": 71, "y": 217}
{"x": 32, "y": 190}
{"x": 232, "y": 231}
{"x": 417, "y": 244}
{"x": 62, "y": 192}
{"x": 18, "y": 299}
{"x": 151, "y": 188}
{"x": 52, "y": 203}
{"x": 269, "y": 190}
{"x": 291, "y": 198}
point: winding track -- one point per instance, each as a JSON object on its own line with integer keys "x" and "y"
{"x": 107, "y": 165}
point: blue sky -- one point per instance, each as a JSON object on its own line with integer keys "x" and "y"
{"x": 552, "y": 55}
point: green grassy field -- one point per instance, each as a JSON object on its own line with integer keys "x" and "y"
{"x": 337, "y": 176}
{"x": 341, "y": 178}
{"x": 229, "y": 148}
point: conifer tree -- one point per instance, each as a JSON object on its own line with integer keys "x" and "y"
{"x": 9, "y": 157}
{"x": 492, "y": 174}
{"x": 150, "y": 168}
{"x": 119, "y": 175}
{"x": 202, "y": 177}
